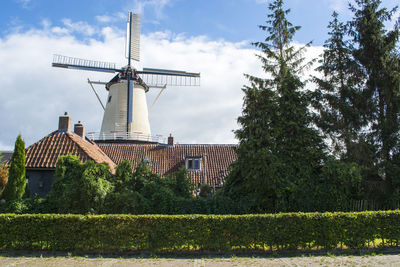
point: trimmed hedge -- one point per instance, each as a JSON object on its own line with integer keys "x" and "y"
{"x": 200, "y": 232}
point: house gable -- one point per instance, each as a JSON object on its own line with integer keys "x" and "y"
{"x": 46, "y": 152}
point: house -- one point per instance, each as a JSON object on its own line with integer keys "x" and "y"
{"x": 205, "y": 163}
{"x": 41, "y": 157}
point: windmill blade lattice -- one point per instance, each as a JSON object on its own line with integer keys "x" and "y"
{"x": 82, "y": 64}
{"x": 162, "y": 77}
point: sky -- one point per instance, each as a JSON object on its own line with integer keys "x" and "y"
{"x": 212, "y": 37}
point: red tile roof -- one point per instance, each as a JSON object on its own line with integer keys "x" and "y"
{"x": 45, "y": 153}
{"x": 166, "y": 159}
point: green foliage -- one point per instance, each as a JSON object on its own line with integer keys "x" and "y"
{"x": 16, "y": 184}
{"x": 358, "y": 99}
{"x": 79, "y": 187}
{"x": 205, "y": 190}
{"x": 279, "y": 150}
{"x": 180, "y": 183}
{"x": 337, "y": 97}
{"x": 376, "y": 50}
{"x": 19, "y": 206}
{"x": 285, "y": 231}
{"x": 123, "y": 176}
{"x": 340, "y": 183}
{"x": 144, "y": 192}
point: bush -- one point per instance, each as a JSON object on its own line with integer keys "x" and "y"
{"x": 194, "y": 232}
{"x": 79, "y": 187}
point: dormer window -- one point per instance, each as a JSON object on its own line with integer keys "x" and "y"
{"x": 193, "y": 163}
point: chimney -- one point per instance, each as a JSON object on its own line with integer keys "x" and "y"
{"x": 79, "y": 129}
{"x": 170, "y": 140}
{"x": 64, "y": 123}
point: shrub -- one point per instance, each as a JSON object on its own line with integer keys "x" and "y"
{"x": 79, "y": 187}
{"x": 194, "y": 232}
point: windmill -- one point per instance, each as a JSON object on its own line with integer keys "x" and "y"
{"x": 126, "y": 112}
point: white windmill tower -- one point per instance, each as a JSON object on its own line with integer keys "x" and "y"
{"x": 126, "y": 112}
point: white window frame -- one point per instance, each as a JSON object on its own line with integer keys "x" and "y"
{"x": 193, "y": 160}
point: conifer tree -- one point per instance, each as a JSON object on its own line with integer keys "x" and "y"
{"x": 15, "y": 187}
{"x": 279, "y": 152}
{"x": 337, "y": 97}
{"x": 376, "y": 51}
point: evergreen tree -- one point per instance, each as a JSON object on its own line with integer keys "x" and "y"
{"x": 280, "y": 153}
{"x": 15, "y": 187}
{"x": 337, "y": 98}
{"x": 376, "y": 51}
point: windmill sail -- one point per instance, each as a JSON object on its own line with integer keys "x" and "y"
{"x": 162, "y": 77}
{"x": 82, "y": 64}
{"x": 133, "y": 37}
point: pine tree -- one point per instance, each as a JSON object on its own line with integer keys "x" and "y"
{"x": 376, "y": 51}
{"x": 279, "y": 152}
{"x": 15, "y": 187}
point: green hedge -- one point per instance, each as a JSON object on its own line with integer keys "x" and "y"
{"x": 200, "y": 232}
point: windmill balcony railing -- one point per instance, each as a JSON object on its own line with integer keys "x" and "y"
{"x": 106, "y": 136}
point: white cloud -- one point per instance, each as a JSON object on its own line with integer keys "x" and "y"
{"x": 118, "y": 16}
{"x": 158, "y": 6}
{"x": 34, "y": 94}
{"x": 338, "y": 5}
{"x": 80, "y": 27}
{"x": 104, "y": 18}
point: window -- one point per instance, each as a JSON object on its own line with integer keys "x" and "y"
{"x": 109, "y": 98}
{"x": 190, "y": 164}
{"x": 193, "y": 164}
{"x": 197, "y": 164}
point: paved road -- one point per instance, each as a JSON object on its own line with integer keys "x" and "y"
{"x": 383, "y": 260}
